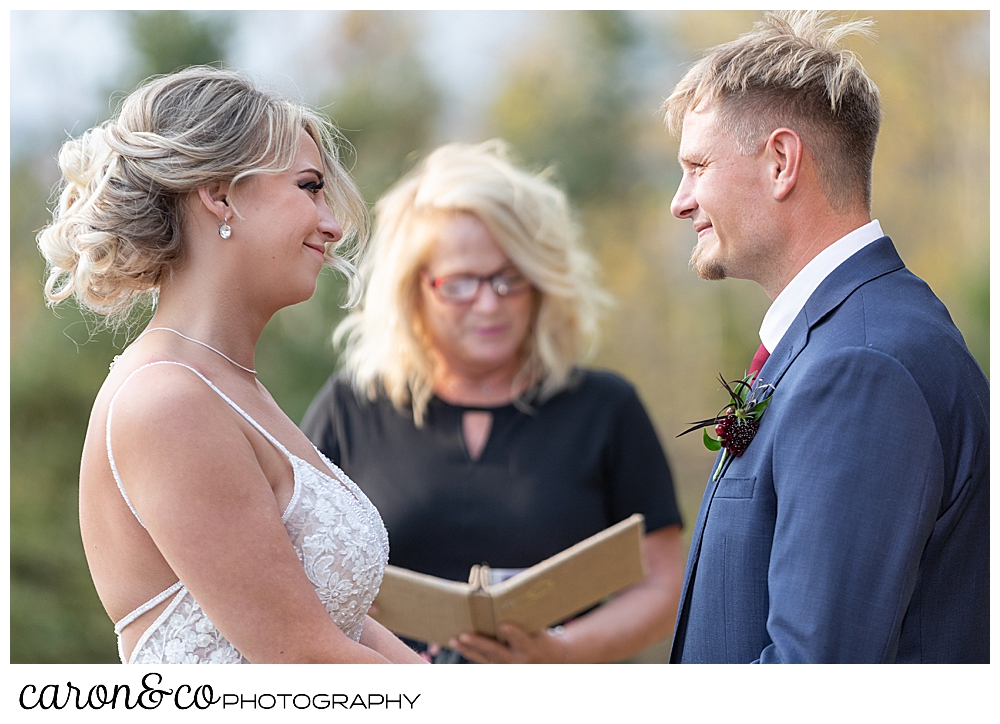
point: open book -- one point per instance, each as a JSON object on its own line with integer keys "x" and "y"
{"x": 433, "y": 609}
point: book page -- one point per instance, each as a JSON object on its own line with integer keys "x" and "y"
{"x": 573, "y": 580}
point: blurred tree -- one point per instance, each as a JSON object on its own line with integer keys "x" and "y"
{"x": 171, "y": 39}
{"x": 569, "y": 101}
{"x": 55, "y": 615}
{"x": 386, "y": 104}
{"x": 931, "y": 175}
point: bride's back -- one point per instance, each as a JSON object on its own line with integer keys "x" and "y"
{"x": 127, "y": 566}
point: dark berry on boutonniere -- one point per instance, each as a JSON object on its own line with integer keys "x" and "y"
{"x": 735, "y": 432}
{"x": 737, "y": 423}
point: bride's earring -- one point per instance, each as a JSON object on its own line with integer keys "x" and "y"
{"x": 225, "y": 231}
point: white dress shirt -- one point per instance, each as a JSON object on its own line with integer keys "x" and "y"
{"x": 793, "y": 297}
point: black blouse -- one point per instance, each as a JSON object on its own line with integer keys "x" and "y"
{"x": 583, "y": 460}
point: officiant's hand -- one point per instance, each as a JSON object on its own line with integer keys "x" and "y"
{"x": 542, "y": 647}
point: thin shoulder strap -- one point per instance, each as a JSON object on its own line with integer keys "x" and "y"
{"x": 161, "y": 596}
{"x": 111, "y": 457}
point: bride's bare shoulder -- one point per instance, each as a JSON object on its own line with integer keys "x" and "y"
{"x": 165, "y": 400}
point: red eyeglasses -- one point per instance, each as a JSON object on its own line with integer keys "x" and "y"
{"x": 465, "y": 287}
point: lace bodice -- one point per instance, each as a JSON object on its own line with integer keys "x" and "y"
{"x": 337, "y": 534}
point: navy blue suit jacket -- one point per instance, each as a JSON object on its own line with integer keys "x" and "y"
{"x": 855, "y": 528}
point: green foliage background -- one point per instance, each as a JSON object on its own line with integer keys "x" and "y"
{"x": 580, "y": 97}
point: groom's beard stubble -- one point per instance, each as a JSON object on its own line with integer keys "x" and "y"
{"x": 707, "y": 268}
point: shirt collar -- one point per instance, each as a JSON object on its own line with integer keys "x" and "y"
{"x": 794, "y": 296}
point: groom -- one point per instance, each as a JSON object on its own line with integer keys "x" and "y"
{"x": 855, "y": 526}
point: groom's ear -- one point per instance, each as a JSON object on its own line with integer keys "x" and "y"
{"x": 215, "y": 198}
{"x": 785, "y": 154}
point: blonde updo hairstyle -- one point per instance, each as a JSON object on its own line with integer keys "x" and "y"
{"x": 387, "y": 351}
{"x": 116, "y": 230}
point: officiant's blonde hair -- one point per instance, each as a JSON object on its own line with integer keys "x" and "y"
{"x": 791, "y": 71}
{"x": 386, "y": 350}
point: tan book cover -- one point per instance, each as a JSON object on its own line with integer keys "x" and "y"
{"x": 433, "y": 609}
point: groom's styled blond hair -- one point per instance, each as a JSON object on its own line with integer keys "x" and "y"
{"x": 790, "y": 71}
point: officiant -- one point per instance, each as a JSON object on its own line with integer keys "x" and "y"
{"x": 463, "y": 412}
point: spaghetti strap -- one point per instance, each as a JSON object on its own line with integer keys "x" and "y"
{"x": 111, "y": 457}
{"x": 158, "y": 598}
{"x": 161, "y": 596}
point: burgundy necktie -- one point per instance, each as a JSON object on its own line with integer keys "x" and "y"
{"x": 758, "y": 360}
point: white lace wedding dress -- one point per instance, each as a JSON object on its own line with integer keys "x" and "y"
{"x": 337, "y": 533}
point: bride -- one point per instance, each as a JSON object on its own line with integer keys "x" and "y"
{"x": 214, "y": 531}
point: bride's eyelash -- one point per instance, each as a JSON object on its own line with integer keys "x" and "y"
{"x": 313, "y": 186}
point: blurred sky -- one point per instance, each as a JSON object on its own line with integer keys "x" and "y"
{"x": 65, "y": 64}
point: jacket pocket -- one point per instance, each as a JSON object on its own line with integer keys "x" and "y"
{"x": 735, "y": 487}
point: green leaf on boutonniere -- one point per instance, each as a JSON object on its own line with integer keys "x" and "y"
{"x": 758, "y": 409}
{"x": 710, "y": 442}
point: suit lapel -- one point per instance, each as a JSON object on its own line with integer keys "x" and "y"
{"x": 872, "y": 261}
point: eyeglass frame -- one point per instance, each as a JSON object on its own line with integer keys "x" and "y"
{"x": 495, "y": 280}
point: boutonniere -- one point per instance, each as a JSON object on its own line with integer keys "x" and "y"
{"x": 737, "y": 422}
